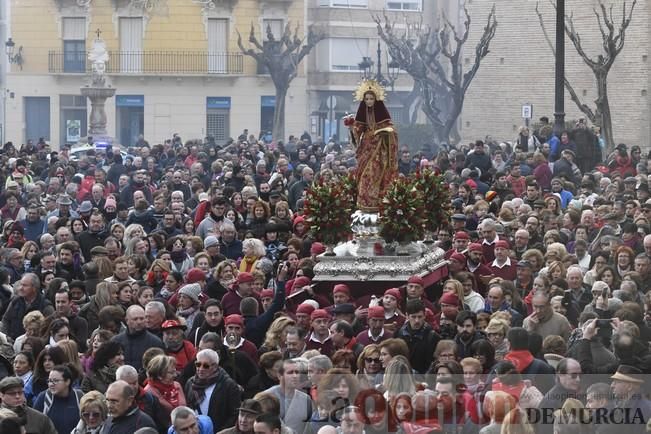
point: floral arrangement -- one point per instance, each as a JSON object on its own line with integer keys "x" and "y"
{"x": 436, "y": 198}
{"x": 413, "y": 205}
{"x": 328, "y": 207}
{"x": 402, "y": 212}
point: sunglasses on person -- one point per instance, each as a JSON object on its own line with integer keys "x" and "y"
{"x": 203, "y": 365}
{"x": 89, "y": 414}
{"x": 372, "y": 360}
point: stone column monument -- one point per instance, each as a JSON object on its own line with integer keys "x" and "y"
{"x": 98, "y": 90}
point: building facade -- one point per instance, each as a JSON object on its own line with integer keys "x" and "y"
{"x": 520, "y": 70}
{"x": 334, "y": 70}
{"x": 175, "y": 65}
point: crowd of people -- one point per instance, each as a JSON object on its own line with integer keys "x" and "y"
{"x": 170, "y": 291}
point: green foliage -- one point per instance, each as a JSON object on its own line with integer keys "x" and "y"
{"x": 328, "y": 207}
{"x": 413, "y": 205}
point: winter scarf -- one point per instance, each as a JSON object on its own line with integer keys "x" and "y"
{"x": 521, "y": 359}
{"x": 169, "y": 392}
{"x": 198, "y": 388}
{"x": 247, "y": 264}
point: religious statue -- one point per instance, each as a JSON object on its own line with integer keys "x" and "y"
{"x": 98, "y": 56}
{"x": 376, "y": 142}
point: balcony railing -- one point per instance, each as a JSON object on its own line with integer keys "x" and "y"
{"x": 150, "y": 62}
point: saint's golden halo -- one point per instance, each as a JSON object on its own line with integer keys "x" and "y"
{"x": 369, "y": 86}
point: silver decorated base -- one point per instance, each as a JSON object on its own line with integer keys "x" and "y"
{"x": 347, "y": 266}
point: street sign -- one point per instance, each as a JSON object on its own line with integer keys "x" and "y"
{"x": 527, "y": 111}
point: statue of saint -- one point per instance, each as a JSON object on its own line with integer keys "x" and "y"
{"x": 98, "y": 56}
{"x": 376, "y": 142}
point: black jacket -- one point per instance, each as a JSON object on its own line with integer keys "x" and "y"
{"x": 12, "y": 321}
{"x": 87, "y": 240}
{"x": 224, "y": 401}
{"x": 256, "y": 326}
{"x": 135, "y": 345}
{"x": 421, "y": 345}
{"x": 129, "y": 423}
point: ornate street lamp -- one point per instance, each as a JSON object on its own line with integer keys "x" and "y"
{"x": 366, "y": 68}
{"x": 17, "y": 58}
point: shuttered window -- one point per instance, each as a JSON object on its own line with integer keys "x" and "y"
{"x": 217, "y": 45}
{"x": 131, "y": 44}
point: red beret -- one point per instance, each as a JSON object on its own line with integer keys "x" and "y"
{"x": 266, "y": 293}
{"x": 502, "y": 243}
{"x": 341, "y": 287}
{"x": 475, "y": 247}
{"x": 319, "y": 314}
{"x": 300, "y": 282}
{"x": 472, "y": 184}
{"x": 376, "y": 312}
{"x": 245, "y": 277}
{"x": 234, "y": 319}
{"x": 449, "y": 298}
{"x": 458, "y": 257}
{"x": 461, "y": 235}
{"x": 317, "y": 248}
{"x": 194, "y": 275}
{"x": 394, "y": 292}
{"x": 305, "y": 308}
{"x": 417, "y": 280}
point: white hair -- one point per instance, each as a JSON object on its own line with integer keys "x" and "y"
{"x": 210, "y": 354}
{"x": 126, "y": 371}
{"x": 256, "y": 245}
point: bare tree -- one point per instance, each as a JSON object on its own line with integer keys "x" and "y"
{"x": 280, "y": 57}
{"x": 432, "y": 57}
{"x": 612, "y": 44}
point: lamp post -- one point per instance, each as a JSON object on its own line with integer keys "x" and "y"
{"x": 366, "y": 66}
{"x": 559, "y": 79}
{"x": 17, "y": 58}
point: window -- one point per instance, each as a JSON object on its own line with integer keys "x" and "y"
{"x": 74, "y": 44}
{"x": 218, "y": 46}
{"x": 344, "y": 3}
{"x": 404, "y": 5}
{"x": 347, "y": 53}
{"x": 277, "y": 27}
{"x": 131, "y": 45}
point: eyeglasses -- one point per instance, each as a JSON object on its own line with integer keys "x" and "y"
{"x": 54, "y": 380}
{"x": 203, "y": 365}
{"x": 89, "y": 414}
{"x": 372, "y": 360}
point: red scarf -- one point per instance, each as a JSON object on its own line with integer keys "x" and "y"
{"x": 169, "y": 392}
{"x": 521, "y": 359}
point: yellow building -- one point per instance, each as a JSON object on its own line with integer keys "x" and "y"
{"x": 175, "y": 64}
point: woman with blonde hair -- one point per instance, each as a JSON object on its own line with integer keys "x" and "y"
{"x": 496, "y": 333}
{"x": 369, "y": 367}
{"x": 157, "y": 273}
{"x": 33, "y": 324}
{"x": 274, "y": 339}
{"x": 117, "y": 230}
{"x": 556, "y": 270}
{"x": 222, "y": 278}
{"x": 516, "y": 422}
{"x": 93, "y": 413}
{"x": 398, "y": 378}
{"x": 134, "y": 230}
{"x": 71, "y": 351}
{"x": 104, "y": 267}
{"x": 161, "y": 374}
{"x": 28, "y": 251}
{"x": 105, "y": 295}
{"x": 253, "y": 250}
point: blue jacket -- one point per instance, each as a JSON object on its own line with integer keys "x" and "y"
{"x": 205, "y": 426}
{"x": 33, "y": 231}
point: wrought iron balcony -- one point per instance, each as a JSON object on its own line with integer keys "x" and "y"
{"x": 150, "y": 62}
